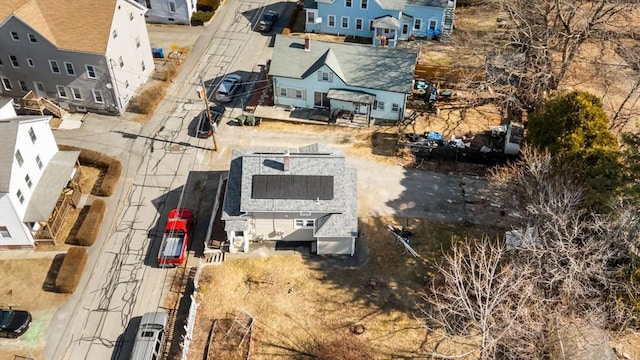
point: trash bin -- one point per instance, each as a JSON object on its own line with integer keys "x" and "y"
{"x": 250, "y": 120}
{"x": 241, "y": 119}
{"x": 157, "y": 53}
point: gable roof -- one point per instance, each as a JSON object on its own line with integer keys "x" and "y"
{"x": 432, "y": 3}
{"x": 74, "y": 25}
{"x": 397, "y": 5}
{"x": 357, "y": 65}
{"x": 315, "y": 160}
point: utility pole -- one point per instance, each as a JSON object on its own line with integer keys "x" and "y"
{"x": 202, "y": 93}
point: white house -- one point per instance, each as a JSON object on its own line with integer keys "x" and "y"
{"x": 73, "y": 55}
{"x": 169, "y": 11}
{"x": 33, "y": 173}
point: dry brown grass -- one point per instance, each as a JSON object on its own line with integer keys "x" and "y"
{"x": 304, "y": 304}
{"x": 71, "y": 270}
{"x": 90, "y": 227}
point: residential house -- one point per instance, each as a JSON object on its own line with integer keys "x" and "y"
{"x": 360, "y": 80}
{"x": 33, "y": 174}
{"x": 73, "y": 55}
{"x": 305, "y": 194}
{"x": 169, "y": 11}
{"x": 385, "y": 21}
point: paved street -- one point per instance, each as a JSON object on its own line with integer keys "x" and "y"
{"x": 164, "y": 167}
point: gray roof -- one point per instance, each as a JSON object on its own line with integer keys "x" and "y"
{"x": 386, "y": 22}
{"x": 315, "y": 159}
{"x": 8, "y": 137}
{"x": 362, "y": 66}
{"x": 47, "y": 191}
{"x": 353, "y": 96}
{"x": 432, "y": 3}
{"x": 392, "y": 4}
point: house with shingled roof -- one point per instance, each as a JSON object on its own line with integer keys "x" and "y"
{"x": 33, "y": 175}
{"x": 306, "y": 194}
{"x": 73, "y": 55}
{"x": 346, "y": 79}
{"x": 385, "y": 21}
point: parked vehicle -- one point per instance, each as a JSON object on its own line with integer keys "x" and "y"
{"x": 228, "y": 88}
{"x": 268, "y": 19}
{"x": 204, "y": 125}
{"x": 150, "y": 337}
{"x": 14, "y": 323}
{"x": 175, "y": 241}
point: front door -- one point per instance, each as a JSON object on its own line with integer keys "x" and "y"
{"x": 39, "y": 88}
{"x": 320, "y": 100}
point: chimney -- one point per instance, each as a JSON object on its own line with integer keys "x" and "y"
{"x": 285, "y": 161}
{"x": 307, "y": 42}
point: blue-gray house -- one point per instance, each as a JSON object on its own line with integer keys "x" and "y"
{"x": 386, "y": 21}
{"x": 348, "y": 79}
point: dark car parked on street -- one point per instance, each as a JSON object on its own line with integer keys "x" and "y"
{"x": 14, "y": 323}
{"x": 268, "y": 19}
{"x": 204, "y": 129}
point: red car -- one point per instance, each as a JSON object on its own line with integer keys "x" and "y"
{"x": 175, "y": 241}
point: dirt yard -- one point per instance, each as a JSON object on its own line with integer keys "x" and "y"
{"x": 301, "y": 302}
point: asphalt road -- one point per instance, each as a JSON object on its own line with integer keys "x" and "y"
{"x": 165, "y": 167}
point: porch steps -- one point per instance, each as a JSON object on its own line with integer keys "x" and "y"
{"x": 215, "y": 257}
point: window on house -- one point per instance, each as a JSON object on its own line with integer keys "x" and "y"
{"x": 395, "y": 107}
{"x": 115, "y": 33}
{"x": 15, "y": 36}
{"x": 332, "y": 21}
{"x": 345, "y": 22}
{"x": 303, "y": 223}
{"x": 371, "y": 28}
{"x": 27, "y": 179}
{"x": 54, "y": 66}
{"x": 6, "y": 84}
{"x": 283, "y": 92}
{"x": 364, "y": 4}
{"x": 39, "y": 162}
{"x": 348, "y": 3}
{"x": 70, "y": 69}
{"x": 299, "y": 94}
{"x": 380, "y": 105}
{"x": 77, "y": 94}
{"x": 417, "y": 24}
{"x": 62, "y": 92}
{"x": 14, "y": 61}
{"x": 359, "y": 24}
{"x": 91, "y": 71}
{"x": 30, "y": 62}
{"x": 143, "y": 66}
{"x": 148, "y": 3}
{"x": 32, "y": 135}
{"x": 311, "y": 17}
{"x": 4, "y": 232}
{"x": 137, "y": 42}
{"x": 97, "y": 96}
{"x": 121, "y": 62}
{"x": 19, "y": 158}
{"x": 23, "y": 86}
{"x": 32, "y": 38}
{"x": 325, "y": 76}
{"x": 433, "y": 24}
{"x": 20, "y": 196}
{"x": 172, "y": 6}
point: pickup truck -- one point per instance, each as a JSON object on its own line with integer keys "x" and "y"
{"x": 175, "y": 240}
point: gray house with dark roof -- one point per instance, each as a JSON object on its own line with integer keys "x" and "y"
{"x": 303, "y": 194}
{"x": 342, "y": 77}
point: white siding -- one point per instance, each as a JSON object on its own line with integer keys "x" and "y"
{"x": 20, "y": 236}
{"x": 335, "y": 246}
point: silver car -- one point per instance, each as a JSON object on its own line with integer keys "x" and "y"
{"x": 228, "y": 88}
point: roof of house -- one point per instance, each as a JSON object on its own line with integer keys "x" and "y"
{"x": 392, "y": 4}
{"x": 74, "y": 25}
{"x": 314, "y": 160}
{"x": 362, "y": 66}
{"x": 8, "y": 137}
{"x": 432, "y": 3}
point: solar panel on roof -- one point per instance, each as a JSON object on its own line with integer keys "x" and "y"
{"x": 293, "y": 187}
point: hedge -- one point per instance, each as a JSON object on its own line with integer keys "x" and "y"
{"x": 71, "y": 270}
{"x": 201, "y": 17}
{"x": 90, "y": 226}
{"x": 110, "y": 166}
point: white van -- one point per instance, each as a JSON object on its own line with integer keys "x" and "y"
{"x": 149, "y": 342}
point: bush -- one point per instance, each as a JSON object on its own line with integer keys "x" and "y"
{"x": 109, "y": 166}
{"x": 201, "y": 17}
{"x": 208, "y": 5}
{"x": 147, "y": 101}
{"x": 292, "y": 20}
{"x": 286, "y": 31}
{"x": 71, "y": 270}
{"x": 170, "y": 70}
{"x": 90, "y": 226}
